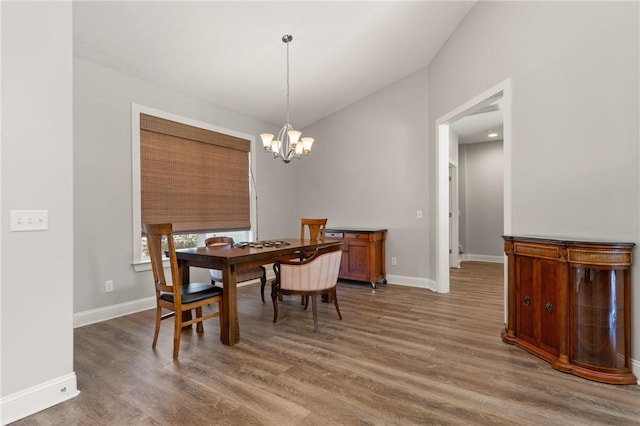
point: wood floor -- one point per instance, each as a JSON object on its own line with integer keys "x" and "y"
{"x": 401, "y": 356}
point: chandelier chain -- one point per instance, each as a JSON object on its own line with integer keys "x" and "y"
{"x": 287, "y": 82}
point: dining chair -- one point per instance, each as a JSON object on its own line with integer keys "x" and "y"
{"x": 244, "y": 275}
{"x": 316, "y": 227}
{"x": 173, "y": 296}
{"x": 314, "y": 276}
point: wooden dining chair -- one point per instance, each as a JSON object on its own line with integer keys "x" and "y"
{"x": 314, "y": 276}
{"x": 173, "y": 296}
{"x": 316, "y": 227}
{"x": 244, "y": 275}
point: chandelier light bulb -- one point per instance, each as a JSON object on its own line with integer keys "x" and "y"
{"x": 294, "y": 135}
{"x": 266, "y": 140}
{"x": 306, "y": 143}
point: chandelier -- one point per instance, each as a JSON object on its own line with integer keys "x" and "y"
{"x": 288, "y": 144}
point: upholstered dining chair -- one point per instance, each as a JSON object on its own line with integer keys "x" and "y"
{"x": 245, "y": 275}
{"x": 172, "y": 295}
{"x": 316, "y": 227}
{"x": 314, "y": 276}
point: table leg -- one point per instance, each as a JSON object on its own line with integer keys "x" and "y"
{"x": 230, "y": 334}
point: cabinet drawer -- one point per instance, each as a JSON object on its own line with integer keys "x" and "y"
{"x": 536, "y": 250}
{"x": 599, "y": 257}
{"x": 357, "y": 236}
{"x": 334, "y": 235}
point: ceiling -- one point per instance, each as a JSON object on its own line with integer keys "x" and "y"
{"x": 476, "y": 126}
{"x": 231, "y": 54}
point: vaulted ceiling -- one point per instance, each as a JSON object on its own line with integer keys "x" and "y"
{"x": 231, "y": 54}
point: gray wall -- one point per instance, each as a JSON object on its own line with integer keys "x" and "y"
{"x": 574, "y": 70}
{"x": 37, "y": 267}
{"x": 481, "y": 207}
{"x": 374, "y": 170}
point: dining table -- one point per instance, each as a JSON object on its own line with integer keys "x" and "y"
{"x": 231, "y": 259}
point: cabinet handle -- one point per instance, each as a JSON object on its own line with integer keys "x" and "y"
{"x": 549, "y": 307}
{"x": 526, "y": 300}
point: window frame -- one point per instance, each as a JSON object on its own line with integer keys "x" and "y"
{"x": 139, "y": 262}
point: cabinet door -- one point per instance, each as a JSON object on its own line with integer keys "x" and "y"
{"x": 358, "y": 260}
{"x": 549, "y": 320}
{"x": 526, "y": 299}
{"x": 344, "y": 262}
{"x": 598, "y": 317}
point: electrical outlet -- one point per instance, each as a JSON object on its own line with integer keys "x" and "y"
{"x": 394, "y": 261}
{"x": 108, "y": 286}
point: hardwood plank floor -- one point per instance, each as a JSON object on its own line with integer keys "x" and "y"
{"x": 401, "y": 356}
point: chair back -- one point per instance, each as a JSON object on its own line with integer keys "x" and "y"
{"x": 318, "y": 272}
{"x": 218, "y": 241}
{"x": 155, "y": 235}
{"x": 317, "y": 228}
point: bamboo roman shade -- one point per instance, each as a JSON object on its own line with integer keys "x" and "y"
{"x": 194, "y": 178}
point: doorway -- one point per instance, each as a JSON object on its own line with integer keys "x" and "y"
{"x": 443, "y": 154}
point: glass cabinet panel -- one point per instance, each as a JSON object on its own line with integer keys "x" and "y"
{"x": 597, "y": 323}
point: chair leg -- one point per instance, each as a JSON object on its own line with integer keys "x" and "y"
{"x": 274, "y": 297}
{"x": 157, "y": 331}
{"x": 199, "y": 325}
{"x": 263, "y": 282}
{"x": 335, "y": 302}
{"x": 177, "y": 332}
{"x": 314, "y": 309}
{"x": 305, "y": 300}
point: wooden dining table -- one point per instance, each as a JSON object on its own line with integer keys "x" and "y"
{"x": 232, "y": 259}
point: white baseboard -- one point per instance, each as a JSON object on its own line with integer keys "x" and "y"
{"x": 37, "y": 398}
{"x": 92, "y": 316}
{"x": 482, "y": 258}
{"x": 412, "y": 281}
{"x": 635, "y": 368}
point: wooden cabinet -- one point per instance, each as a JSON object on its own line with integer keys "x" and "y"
{"x": 569, "y": 303}
{"x": 363, "y": 253}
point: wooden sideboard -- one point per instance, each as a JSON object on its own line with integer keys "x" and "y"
{"x": 569, "y": 302}
{"x": 363, "y": 253}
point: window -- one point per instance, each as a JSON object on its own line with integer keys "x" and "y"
{"x": 191, "y": 174}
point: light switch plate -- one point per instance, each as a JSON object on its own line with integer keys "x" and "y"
{"x": 29, "y": 220}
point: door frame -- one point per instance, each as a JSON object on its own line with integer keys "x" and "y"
{"x": 454, "y": 217}
{"x": 503, "y": 90}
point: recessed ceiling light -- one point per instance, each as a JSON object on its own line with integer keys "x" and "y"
{"x": 492, "y": 135}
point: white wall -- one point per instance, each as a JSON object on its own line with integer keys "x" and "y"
{"x": 370, "y": 167}
{"x": 482, "y": 213}
{"x": 37, "y": 173}
{"x": 575, "y": 105}
{"x": 103, "y": 199}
